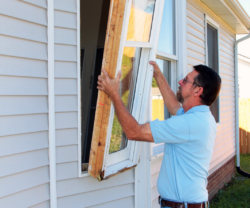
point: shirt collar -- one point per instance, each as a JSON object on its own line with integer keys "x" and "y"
{"x": 199, "y": 108}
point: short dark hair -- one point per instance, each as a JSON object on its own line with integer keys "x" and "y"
{"x": 210, "y": 81}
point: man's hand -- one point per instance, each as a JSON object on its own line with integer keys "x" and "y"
{"x": 130, "y": 126}
{"x": 107, "y": 85}
{"x": 168, "y": 95}
{"x": 157, "y": 70}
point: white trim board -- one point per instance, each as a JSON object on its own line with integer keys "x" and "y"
{"x": 51, "y": 104}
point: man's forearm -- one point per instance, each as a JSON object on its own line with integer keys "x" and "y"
{"x": 168, "y": 95}
{"x": 130, "y": 126}
{"x": 127, "y": 121}
{"x": 132, "y": 129}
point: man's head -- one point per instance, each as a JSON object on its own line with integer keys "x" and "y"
{"x": 202, "y": 85}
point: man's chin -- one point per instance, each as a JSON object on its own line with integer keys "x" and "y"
{"x": 179, "y": 97}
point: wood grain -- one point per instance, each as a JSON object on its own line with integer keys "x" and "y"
{"x": 110, "y": 56}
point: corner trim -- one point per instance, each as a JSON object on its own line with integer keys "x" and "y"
{"x": 51, "y": 104}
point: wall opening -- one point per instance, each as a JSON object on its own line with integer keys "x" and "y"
{"x": 93, "y": 23}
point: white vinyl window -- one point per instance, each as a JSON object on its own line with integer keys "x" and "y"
{"x": 166, "y": 58}
{"x": 140, "y": 29}
{"x": 213, "y": 58}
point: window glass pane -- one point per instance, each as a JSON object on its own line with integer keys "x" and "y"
{"x": 166, "y": 42}
{"x": 130, "y": 67}
{"x": 212, "y": 53}
{"x": 140, "y": 20}
{"x": 159, "y": 110}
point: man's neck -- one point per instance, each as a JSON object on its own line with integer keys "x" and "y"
{"x": 187, "y": 106}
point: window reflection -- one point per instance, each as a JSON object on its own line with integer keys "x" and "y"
{"x": 166, "y": 42}
{"x": 130, "y": 67}
{"x": 159, "y": 110}
{"x": 140, "y": 20}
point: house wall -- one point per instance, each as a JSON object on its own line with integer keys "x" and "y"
{"x": 24, "y": 155}
{"x": 224, "y": 147}
{"x": 24, "y": 174}
{"x": 244, "y": 67}
{"x": 244, "y": 74}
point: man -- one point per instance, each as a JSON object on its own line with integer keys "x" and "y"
{"x": 189, "y": 136}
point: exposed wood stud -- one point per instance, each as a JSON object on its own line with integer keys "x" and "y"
{"x": 110, "y": 56}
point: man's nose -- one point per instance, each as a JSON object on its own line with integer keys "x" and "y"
{"x": 181, "y": 82}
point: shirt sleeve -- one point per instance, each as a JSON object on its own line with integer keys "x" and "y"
{"x": 180, "y": 112}
{"x": 172, "y": 130}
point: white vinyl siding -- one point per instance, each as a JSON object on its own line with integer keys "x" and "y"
{"x": 224, "y": 147}
{"x": 155, "y": 170}
{"x": 24, "y": 156}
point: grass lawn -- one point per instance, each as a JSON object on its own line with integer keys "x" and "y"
{"x": 236, "y": 194}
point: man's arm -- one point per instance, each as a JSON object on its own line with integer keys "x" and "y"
{"x": 168, "y": 95}
{"x": 132, "y": 129}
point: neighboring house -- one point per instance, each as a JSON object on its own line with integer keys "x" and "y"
{"x": 244, "y": 68}
{"x": 49, "y": 62}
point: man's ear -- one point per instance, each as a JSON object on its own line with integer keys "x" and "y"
{"x": 198, "y": 91}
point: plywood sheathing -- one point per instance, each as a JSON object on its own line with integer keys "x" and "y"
{"x": 110, "y": 56}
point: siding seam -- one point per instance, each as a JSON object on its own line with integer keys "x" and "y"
{"x": 196, "y": 29}
{"x": 26, "y": 190}
{"x": 94, "y": 190}
{"x": 23, "y": 57}
{"x": 66, "y": 11}
{"x": 194, "y": 37}
{"x": 34, "y": 150}
{"x": 17, "y": 37}
{"x": 22, "y": 19}
{"x": 33, "y": 4}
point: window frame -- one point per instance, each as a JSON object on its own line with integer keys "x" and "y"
{"x": 109, "y": 167}
{"x": 214, "y": 24}
{"x": 178, "y": 65}
{"x": 173, "y": 85}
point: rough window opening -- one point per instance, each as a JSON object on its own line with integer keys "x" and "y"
{"x": 93, "y": 23}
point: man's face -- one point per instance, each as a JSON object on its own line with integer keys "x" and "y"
{"x": 186, "y": 87}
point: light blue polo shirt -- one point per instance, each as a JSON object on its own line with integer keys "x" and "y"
{"x": 189, "y": 142}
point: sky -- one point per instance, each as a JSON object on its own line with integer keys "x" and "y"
{"x": 246, "y": 5}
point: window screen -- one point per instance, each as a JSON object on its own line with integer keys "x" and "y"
{"x": 212, "y": 53}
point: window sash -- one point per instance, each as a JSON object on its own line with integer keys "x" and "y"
{"x": 157, "y": 150}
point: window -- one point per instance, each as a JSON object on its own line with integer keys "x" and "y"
{"x": 212, "y": 58}
{"x": 133, "y": 29}
{"x": 166, "y": 59}
{"x": 159, "y": 110}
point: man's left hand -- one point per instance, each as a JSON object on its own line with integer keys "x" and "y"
{"x": 107, "y": 85}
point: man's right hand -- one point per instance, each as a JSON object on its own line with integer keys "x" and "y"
{"x": 167, "y": 93}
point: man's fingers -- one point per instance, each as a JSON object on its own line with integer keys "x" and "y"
{"x": 119, "y": 75}
{"x": 99, "y": 88}
{"x": 100, "y": 78}
{"x": 105, "y": 73}
{"x": 152, "y": 62}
